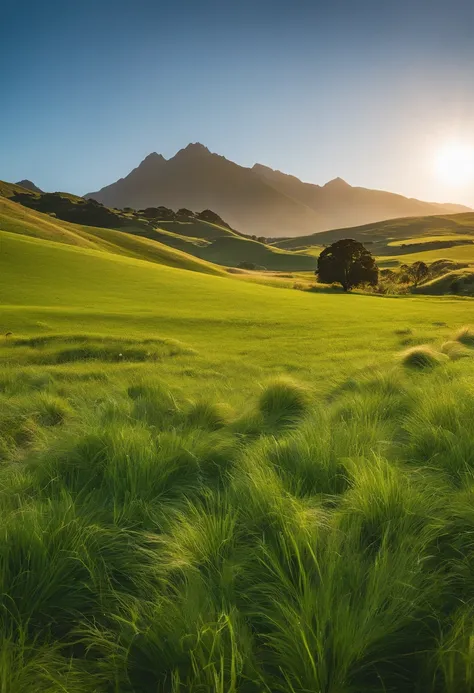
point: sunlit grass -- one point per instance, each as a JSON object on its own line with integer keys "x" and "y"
{"x": 147, "y": 540}
{"x": 211, "y": 485}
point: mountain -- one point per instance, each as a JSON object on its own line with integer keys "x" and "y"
{"x": 28, "y": 185}
{"x": 196, "y": 179}
{"x": 341, "y": 205}
{"x": 256, "y": 200}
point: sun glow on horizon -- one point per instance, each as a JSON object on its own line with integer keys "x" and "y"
{"x": 455, "y": 164}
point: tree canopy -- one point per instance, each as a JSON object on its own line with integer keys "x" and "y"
{"x": 348, "y": 263}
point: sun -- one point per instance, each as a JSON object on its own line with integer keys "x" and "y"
{"x": 455, "y": 164}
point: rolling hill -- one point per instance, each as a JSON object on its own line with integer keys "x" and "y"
{"x": 396, "y": 237}
{"x": 193, "y": 241}
{"x": 257, "y": 201}
{"x": 19, "y": 220}
{"x": 187, "y": 240}
{"x": 443, "y": 242}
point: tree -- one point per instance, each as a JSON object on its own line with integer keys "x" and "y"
{"x": 348, "y": 263}
{"x": 417, "y": 272}
{"x": 183, "y": 212}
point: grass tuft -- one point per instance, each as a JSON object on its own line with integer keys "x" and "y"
{"x": 421, "y": 357}
{"x": 51, "y": 410}
{"x": 455, "y": 350}
{"x": 284, "y": 402}
{"x": 208, "y": 414}
{"x": 466, "y": 336}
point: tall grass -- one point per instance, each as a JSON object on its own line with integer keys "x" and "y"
{"x": 154, "y": 544}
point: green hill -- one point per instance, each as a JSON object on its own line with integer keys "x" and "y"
{"x": 205, "y": 240}
{"x": 458, "y": 282}
{"x": 15, "y": 218}
{"x": 198, "y": 229}
{"x": 401, "y": 240}
{"x": 225, "y": 247}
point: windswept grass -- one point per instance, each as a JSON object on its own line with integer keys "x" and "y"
{"x": 465, "y": 336}
{"x": 283, "y": 402}
{"x": 158, "y": 544}
{"x": 420, "y": 357}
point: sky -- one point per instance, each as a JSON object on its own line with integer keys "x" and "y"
{"x": 378, "y": 92}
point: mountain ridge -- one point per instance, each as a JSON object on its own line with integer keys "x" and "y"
{"x": 258, "y": 200}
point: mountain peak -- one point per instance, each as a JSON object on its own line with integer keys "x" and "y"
{"x": 337, "y": 184}
{"x": 153, "y": 158}
{"x": 194, "y": 148}
{"x": 28, "y": 185}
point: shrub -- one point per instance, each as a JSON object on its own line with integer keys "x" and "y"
{"x": 421, "y": 357}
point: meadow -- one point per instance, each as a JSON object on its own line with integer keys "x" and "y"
{"x": 209, "y": 484}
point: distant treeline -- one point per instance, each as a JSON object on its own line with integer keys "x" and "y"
{"x": 89, "y": 212}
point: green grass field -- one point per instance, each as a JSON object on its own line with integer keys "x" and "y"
{"x": 456, "y": 253}
{"x": 211, "y": 485}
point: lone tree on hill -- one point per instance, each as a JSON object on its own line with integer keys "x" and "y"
{"x": 418, "y": 271}
{"x": 348, "y": 263}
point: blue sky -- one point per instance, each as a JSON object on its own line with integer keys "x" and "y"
{"x": 369, "y": 91}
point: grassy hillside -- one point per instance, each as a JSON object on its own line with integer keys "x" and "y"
{"x": 11, "y": 189}
{"x": 232, "y": 251}
{"x": 15, "y": 218}
{"x": 429, "y": 252}
{"x": 213, "y": 486}
{"x": 198, "y": 229}
{"x": 225, "y": 247}
{"x": 397, "y": 237}
{"x": 202, "y": 239}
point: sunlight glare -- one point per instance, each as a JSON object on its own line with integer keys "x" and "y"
{"x": 455, "y": 164}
